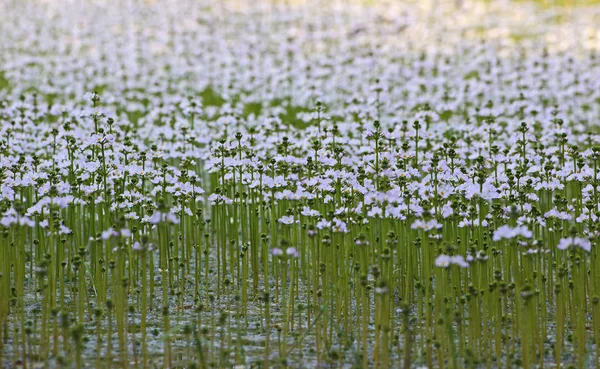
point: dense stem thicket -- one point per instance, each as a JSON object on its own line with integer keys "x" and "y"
{"x": 310, "y": 199}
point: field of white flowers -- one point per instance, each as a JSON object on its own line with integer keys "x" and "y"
{"x": 299, "y": 184}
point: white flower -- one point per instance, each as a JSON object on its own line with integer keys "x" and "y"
{"x": 88, "y": 96}
{"x": 308, "y": 212}
{"x": 426, "y": 225}
{"x": 582, "y": 243}
{"x": 507, "y": 232}
{"x": 159, "y": 217}
{"x": 286, "y": 219}
{"x": 444, "y": 261}
{"x": 108, "y": 234}
{"x": 291, "y": 252}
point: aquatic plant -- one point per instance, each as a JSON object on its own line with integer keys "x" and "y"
{"x": 270, "y": 186}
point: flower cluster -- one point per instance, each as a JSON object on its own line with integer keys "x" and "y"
{"x": 392, "y": 174}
